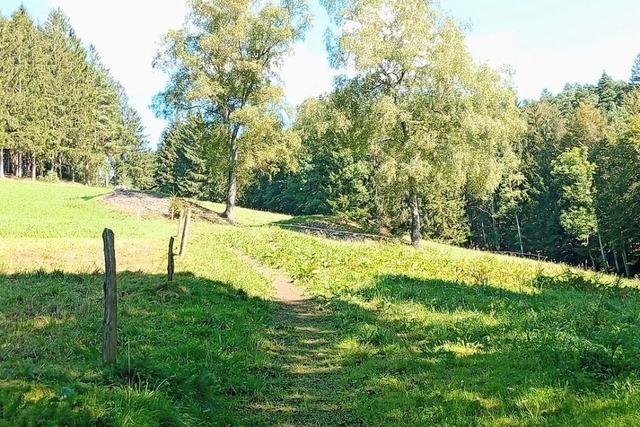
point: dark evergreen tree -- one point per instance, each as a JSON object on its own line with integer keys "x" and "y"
{"x": 181, "y": 165}
{"x": 60, "y": 109}
{"x": 166, "y": 158}
{"x": 606, "y": 91}
{"x": 635, "y": 71}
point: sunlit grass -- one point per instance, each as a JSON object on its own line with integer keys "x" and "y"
{"x": 248, "y": 217}
{"x": 392, "y": 336}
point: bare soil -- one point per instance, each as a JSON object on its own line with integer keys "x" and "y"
{"x": 148, "y": 204}
{"x": 139, "y": 202}
{"x": 286, "y": 291}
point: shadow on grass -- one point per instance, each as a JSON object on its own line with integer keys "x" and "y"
{"x": 423, "y": 352}
{"x": 403, "y": 351}
{"x": 457, "y": 352}
{"x": 88, "y": 198}
{"x": 189, "y": 351}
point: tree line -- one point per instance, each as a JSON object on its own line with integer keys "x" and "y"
{"x": 575, "y": 196}
{"x": 62, "y": 115}
{"x": 419, "y": 137}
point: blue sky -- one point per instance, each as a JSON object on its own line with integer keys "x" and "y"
{"x": 546, "y": 43}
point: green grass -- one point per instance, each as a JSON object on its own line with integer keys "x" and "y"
{"x": 249, "y": 217}
{"x": 392, "y": 336}
{"x": 64, "y": 210}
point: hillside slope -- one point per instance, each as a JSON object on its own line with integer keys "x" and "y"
{"x": 389, "y": 336}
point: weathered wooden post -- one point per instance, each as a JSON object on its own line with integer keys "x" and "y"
{"x": 185, "y": 233}
{"x": 110, "y": 322}
{"x": 180, "y": 223}
{"x": 170, "y": 261}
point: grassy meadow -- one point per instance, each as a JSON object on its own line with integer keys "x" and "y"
{"x": 390, "y": 336}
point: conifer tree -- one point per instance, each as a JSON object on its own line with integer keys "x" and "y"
{"x": 59, "y": 106}
{"x": 635, "y": 71}
{"x": 606, "y": 91}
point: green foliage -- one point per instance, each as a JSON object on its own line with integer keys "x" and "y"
{"x": 635, "y": 71}
{"x": 420, "y": 135}
{"x": 383, "y": 135}
{"x": 222, "y": 65}
{"x": 51, "y": 177}
{"x": 574, "y": 177}
{"x": 585, "y": 134}
{"x": 176, "y": 205}
{"x": 333, "y": 174}
{"x": 60, "y": 106}
{"x": 436, "y": 119}
{"x": 184, "y": 166}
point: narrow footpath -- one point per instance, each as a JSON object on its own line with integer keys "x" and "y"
{"x": 304, "y": 390}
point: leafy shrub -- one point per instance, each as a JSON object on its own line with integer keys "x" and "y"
{"x": 176, "y": 205}
{"x": 51, "y": 176}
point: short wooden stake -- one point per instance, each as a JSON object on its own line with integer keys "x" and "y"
{"x": 110, "y": 322}
{"x": 185, "y": 233}
{"x": 170, "y": 261}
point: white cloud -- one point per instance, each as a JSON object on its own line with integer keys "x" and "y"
{"x": 126, "y": 34}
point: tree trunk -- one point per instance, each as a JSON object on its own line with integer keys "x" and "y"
{"x": 593, "y": 261}
{"x": 19, "y": 166}
{"x": 86, "y": 178}
{"x": 33, "y": 167}
{"x": 496, "y": 237}
{"x": 624, "y": 261}
{"x": 615, "y": 260}
{"x": 1, "y": 162}
{"x": 605, "y": 264}
{"x": 12, "y": 163}
{"x": 484, "y": 235}
{"x": 232, "y": 184}
{"x": 519, "y": 235}
{"x": 416, "y": 232}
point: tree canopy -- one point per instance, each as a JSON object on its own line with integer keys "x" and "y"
{"x": 60, "y": 109}
{"x": 223, "y": 66}
{"x": 438, "y": 120}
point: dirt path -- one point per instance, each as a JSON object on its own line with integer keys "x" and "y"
{"x": 286, "y": 291}
{"x": 304, "y": 390}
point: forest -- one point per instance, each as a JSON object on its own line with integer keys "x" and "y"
{"x": 419, "y": 138}
{"x": 62, "y": 115}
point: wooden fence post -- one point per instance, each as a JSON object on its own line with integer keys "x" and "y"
{"x": 170, "y": 261}
{"x": 185, "y": 233}
{"x": 110, "y": 322}
{"x": 180, "y": 223}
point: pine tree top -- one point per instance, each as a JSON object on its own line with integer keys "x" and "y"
{"x": 635, "y": 71}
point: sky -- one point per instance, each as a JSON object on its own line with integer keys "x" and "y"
{"x": 545, "y": 43}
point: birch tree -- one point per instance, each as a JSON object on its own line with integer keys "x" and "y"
{"x": 223, "y": 65}
{"x": 438, "y": 117}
